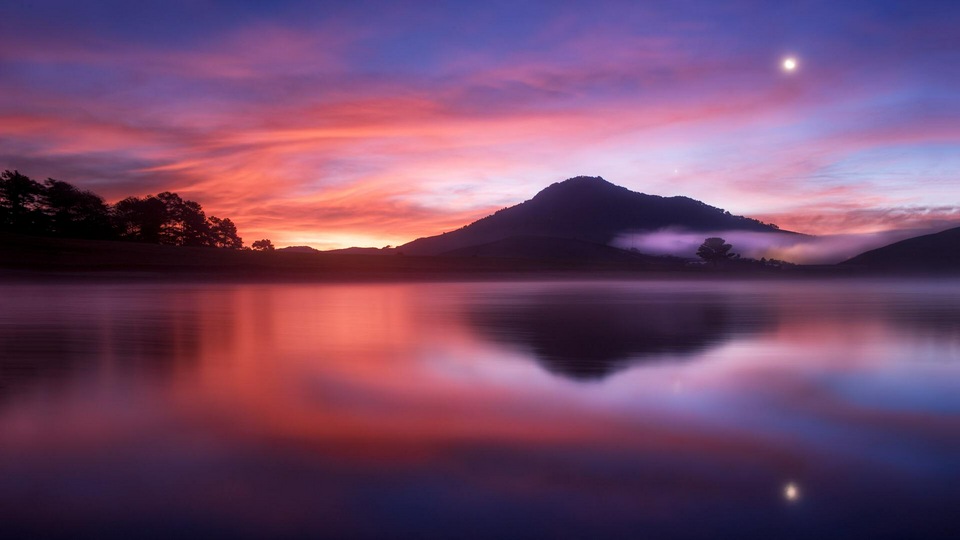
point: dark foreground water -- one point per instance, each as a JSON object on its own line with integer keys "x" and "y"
{"x": 494, "y": 410}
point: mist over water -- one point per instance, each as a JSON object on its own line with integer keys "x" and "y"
{"x": 488, "y": 410}
{"x": 795, "y": 248}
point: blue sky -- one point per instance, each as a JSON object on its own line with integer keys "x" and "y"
{"x": 334, "y": 124}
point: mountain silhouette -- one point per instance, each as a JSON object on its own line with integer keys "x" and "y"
{"x": 931, "y": 253}
{"x": 298, "y": 249}
{"x": 544, "y": 248}
{"x": 591, "y": 334}
{"x": 585, "y": 209}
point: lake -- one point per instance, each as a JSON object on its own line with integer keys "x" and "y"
{"x": 649, "y": 409}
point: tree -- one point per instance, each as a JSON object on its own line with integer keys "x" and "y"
{"x": 715, "y": 250}
{"x": 224, "y": 233}
{"x": 21, "y": 204}
{"x": 75, "y": 213}
{"x": 169, "y": 219}
{"x": 186, "y": 223}
{"x": 140, "y": 219}
{"x": 263, "y": 245}
{"x": 61, "y": 209}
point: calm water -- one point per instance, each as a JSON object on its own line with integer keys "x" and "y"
{"x": 494, "y": 410}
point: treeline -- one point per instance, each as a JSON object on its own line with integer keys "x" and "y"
{"x": 56, "y": 208}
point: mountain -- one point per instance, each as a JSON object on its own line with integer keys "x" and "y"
{"x": 298, "y": 249}
{"x": 546, "y": 248}
{"x": 931, "y": 253}
{"x": 342, "y": 251}
{"x": 362, "y": 251}
{"x": 586, "y": 209}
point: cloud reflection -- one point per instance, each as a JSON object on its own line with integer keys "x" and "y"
{"x": 394, "y": 410}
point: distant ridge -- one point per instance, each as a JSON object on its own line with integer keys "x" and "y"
{"x": 363, "y": 251}
{"x": 586, "y": 209}
{"x": 931, "y": 253}
{"x": 298, "y": 249}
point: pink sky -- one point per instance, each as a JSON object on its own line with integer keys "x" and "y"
{"x": 374, "y": 128}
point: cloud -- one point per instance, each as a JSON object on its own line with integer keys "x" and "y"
{"x": 796, "y": 248}
{"x": 436, "y": 119}
{"x": 860, "y": 218}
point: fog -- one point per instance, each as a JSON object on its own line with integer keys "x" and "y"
{"x": 795, "y": 248}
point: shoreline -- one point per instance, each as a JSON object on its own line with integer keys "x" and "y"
{"x": 42, "y": 259}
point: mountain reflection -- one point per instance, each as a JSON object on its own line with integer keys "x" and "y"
{"x": 593, "y": 334}
{"x": 384, "y": 411}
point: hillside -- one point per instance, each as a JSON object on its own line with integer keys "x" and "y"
{"x": 931, "y": 253}
{"x": 588, "y": 209}
{"x": 548, "y": 248}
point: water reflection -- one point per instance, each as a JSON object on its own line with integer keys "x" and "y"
{"x": 50, "y": 334}
{"x": 591, "y": 333}
{"x": 424, "y": 410}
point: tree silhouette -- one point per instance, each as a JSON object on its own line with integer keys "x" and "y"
{"x": 140, "y": 219}
{"x": 170, "y": 219}
{"x": 186, "y": 224}
{"x": 715, "y": 250}
{"x": 21, "y": 203}
{"x": 75, "y": 213}
{"x": 224, "y": 233}
{"x": 57, "y": 208}
{"x": 263, "y": 245}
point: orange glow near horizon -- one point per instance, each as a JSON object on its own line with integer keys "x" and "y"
{"x": 333, "y": 134}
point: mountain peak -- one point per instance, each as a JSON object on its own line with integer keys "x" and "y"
{"x": 583, "y": 181}
{"x": 566, "y": 197}
{"x": 581, "y": 184}
{"x": 587, "y": 209}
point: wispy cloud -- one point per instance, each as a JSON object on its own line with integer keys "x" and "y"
{"x": 796, "y": 248}
{"x": 313, "y": 122}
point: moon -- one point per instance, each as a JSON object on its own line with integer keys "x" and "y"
{"x": 791, "y": 492}
{"x": 789, "y": 64}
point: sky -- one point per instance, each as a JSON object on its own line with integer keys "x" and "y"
{"x": 336, "y": 124}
